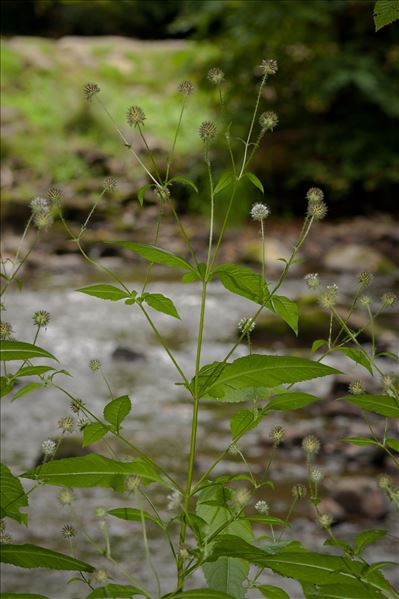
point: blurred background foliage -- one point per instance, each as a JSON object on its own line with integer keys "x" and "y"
{"x": 336, "y": 92}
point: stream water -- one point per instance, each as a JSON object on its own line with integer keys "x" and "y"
{"x": 83, "y": 328}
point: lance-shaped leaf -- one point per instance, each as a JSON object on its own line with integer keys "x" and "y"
{"x": 132, "y": 514}
{"x": 12, "y": 496}
{"x": 33, "y": 556}
{"x": 184, "y": 181}
{"x": 26, "y": 389}
{"x": 116, "y": 411}
{"x": 358, "y": 356}
{"x": 243, "y": 281}
{"x": 339, "y": 591}
{"x": 93, "y": 471}
{"x": 161, "y": 303}
{"x": 291, "y": 401}
{"x": 379, "y": 404}
{"x": 117, "y": 591}
{"x": 287, "y": 309}
{"x": 94, "y": 432}
{"x": 19, "y": 350}
{"x": 155, "y": 254}
{"x": 258, "y": 370}
{"x": 271, "y": 592}
{"x": 254, "y": 180}
{"x": 223, "y": 182}
{"x": 106, "y": 292}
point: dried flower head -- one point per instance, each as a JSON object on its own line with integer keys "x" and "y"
{"x": 207, "y": 131}
{"x": 6, "y": 331}
{"x": 94, "y": 365}
{"x": 186, "y": 88}
{"x": 246, "y": 325}
{"x": 268, "y": 121}
{"x": 215, "y": 75}
{"x": 384, "y": 482}
{"x": 388, "y": 299}
{"x": 41, "y": 318}
{"x": 66, "y": 496}
{"x": 55, "y": 196}
{"x": 259, "y": 211}
{"x": 316, "y": 475}
{"x": 327, "y": 299}
{"x": 269, "y": 66}
{"x": 298, "y": 491}
{"x": 48, "y": 447}
{"x": 68, "y": 531}
{"x": 90, "y": 90}
{"x": 262, "y": 507}
{"x": 162, "y": 193}
{"x": 325, "y": 520}
{"x": 314, "y": 194}
{"x": 312, "y": 280}
{"x": 241, "y": 497}
{"x": 39, "y": 204}
{"x": 135, "y": 116}
{"x": 132, "y": 483}
{"x": 174, "y": 500}
{"x": 311, "y": 445}
{"x": 110, "y": 183}
{"x": 277, "y": 435}
{"x": 100, "y": 576}
{"x": 66, "y": 424}
{"x": 317, "y": 210}
{"x": 77, "y": 405}
{"x": 365, "y": 278}
{"x": 356, "y": 388}
{"x": 42, "y": 219}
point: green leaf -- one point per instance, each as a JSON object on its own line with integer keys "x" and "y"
{"x": 116, "y": 411}
{"x": 118, "y": 591}
{"x": 243, "y": 281}
{"x": 19, "y": 350}
{"x": 33, "y": 370}
{"x": 366, "y": 537}
{"x": 33, "y": 556}
{"x": 393, "y": 444}
{"x": 244, "y": 421}
{"x": 379, "y": 404}
{"x": 200, "y": 594}
{"x": 291, "y": 401}
{"x": 155, "y": 254}
{"x": 12, "y": 496}
{"x": 141, "y": 192}
{"x": 185, "y": 181}
{"x": 271, "y": 592}
{"x": 223, "y": 182}
{"x": 26, "y": 389}
{"x": 131, "y": 514}
{"x": 94, "y": 432}
{"x": 161, "y": 303}
{"x": 249, "y": 394}
{"x": 287, "y": 309}
{"x": 6, "y": 385}
{"x": 385, "y": 13}
{"x": 341, "y": 591}
{"x": 358, "y": 356}
{"x": 106, "y": 292}
{"x": 254, "y": 180}
{"x": 21, "y": 596}
{"x": 361, "y": 441}
{"x": 317, "y": 344}
{"x": 93, "y": 471}
{"x": 227, "y": 574}
{"x": 258, "y": 370}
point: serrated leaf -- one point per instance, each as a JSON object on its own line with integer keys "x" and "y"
{"x": 33, "y": 556}
{"x": 93, "y": 471}
{"x": 116, "y": 411}
{"x": 19, "y": 350}
{"x": 248, "y": 394}
{"x": 227, "y": 574}
{"x": 271, "y": 592}
{"x": 243, "y": 281}
{"x": 141, "y": 192}
{"x": 385, "y": 405}
{"x": 26, "y": 389}
{"x": 12, "y": 496}
{"x": 131, "y": 514}
{"x": 385, "y": 13}
{"x": 223, "y": 182}
{"x": 94, "y": 432}
{"x": 161, "y": 303}
{"x": 291, "y": 401}
{"x": 185, "y": 181}
{"x": 339, "y": 591}
{"x": 287, "y": 309}
{"x": 155, "y": 254}
{"x": 358, "y": 356}
{"x": 106, "y": 292}
{"x": 244, "y": 421}
{"x": 118, "y": 591}
{"x": 254, "y": 180}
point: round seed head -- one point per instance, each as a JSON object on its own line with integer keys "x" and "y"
{"x": 277, "y": 435}
{"x": 207, "y": 131}
{"x": 298, "y": 492}
{"x": 184, "y": 552}
{"x": 317, "y": 210}
{"x": 109, "y": 183}
{"x": 41, "y": 318}
{"x": 39, "y": 204}
{"x": 356, "y": 388}
{"x": 312, "y": 280}
{"x": 132, "y": 483}
{"x": 100, "y": 576}
{"x": 311, "y": 445}
{"x": 316, "y": 475}
{"x": 259, "y": 211}
{"x": 389, "y": 299}
{"x": 77, "y": 405}
{"x": 66, "y": 424}
{"x": 246, "y": 325}
{"x": 94, "y": 365}
{"x": 162, "y": 193}
{"x": 68, "y": 531}
{"x": 42, "y": 219}
{"x": 6, "y": 331}
{"x": 365, "y": 300}
{"x": 325, "y": 520}
{"x": 387, "y": 381}
{"x": 268, "y": 121}
{"x": 48, "y": 447}
{"x": 186, "y": 88}
{"x": 55, "y": 195}
{"x": 90, "y": 90}
{"x": 215, "y": 75}
{"x": 384, "y": 482}
{"x": 365, "y": 278}
{"x": 269, "y": 66}
{"x": 241, "y": 497}
{"x": 314, "y": 194}
{"x": 135, "y": 116}
{"x": 66, "y": 496}
{"x": 262, "y": 507}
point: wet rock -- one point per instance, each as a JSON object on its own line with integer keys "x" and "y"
{"x": 126, "y": 354}
{"x": 354, "y": 258}
{"x": 359, "y": 495}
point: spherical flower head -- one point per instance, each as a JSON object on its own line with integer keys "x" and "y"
{"x": 66, "y": 424}
{"x": 325, "y": 520}
{"x": 43, "y": 219}
{"x": 66, "y": 497}
{"x": 384, "y": 482}
{"x": 5, "y": 539}
{"x": 268, "y": 121}
{"x": 327, "y": 301}
{"x": 312, "y": 280}
{"x": 55, "y": 196}
{"x": 262, "y": 507}
{"x": 314, "y": 194}
{"x": 48, "y": 447}
{"x": 269, "y": 66}
{"x": 365, "y": 278}
{"x": 6, "y": 331}
{"x": 246, "y": 325}
{"x": 356, "y": 388}
{"x": 277, "y": 435}
{"x": 317, "y": 210}
{"x": 388, "y": 299}
{"x": 298, "y": 492}
{"x": 186, "y": 88}
{"x": 100, "y": 576}
{"x": 135, "y": 116}
{"x": 241, "y": 497}
{"x": 77, "y": 405}
{"x": 233, "y": 449}
{"x": 365, "y": 301}
{"x": 68, "y": 531}
{"x": 184, "y": 553}
{"x": 174, "y": 500}
{"x": 387, "y": 381}
{"x": 132, "y": 483}
{"x": 215, "y": 75}
{"x": 259, "y": 211}
{"x": 311, "y": 445}
{"x": 316, "y": 475}
{"x": 109, "y": 183}
{"x": 39, "y": 204}
{"x": 207, "y": 131}
{"x": 94, "y": 365}
{"x": 41, "y": 318}
{"x": 162, "y": 193}
{"x": 90, "y": 90}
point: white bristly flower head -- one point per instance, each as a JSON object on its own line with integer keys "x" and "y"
{"x": 259, "y": 211}
{"x": 356, "y": 388}
{"x": 312, "y": 280}
{"x": 311, "y": 445}
{"x": 48, "y": 447}
{"x": 325, "y": 520}
{"x": 246, "y": 325}
{"x": 316, "y": 475}
{"x": 241, "y": 497}
{"x": 174, "y": 501}
{"x": 38, "y": 204}
{"x": 262, "y": 507}
{"x": 66, "y": 496}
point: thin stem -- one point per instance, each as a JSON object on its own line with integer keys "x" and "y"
{"x": 211, "y": 217}
{"x": 151, "y": 264}
{"x": 244, "y": 160}
{"x": 175, "y": 140}
{"x": 150, "y": 153}
{"x": 147, "y": 551}
{"x": 262, "y": 230}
